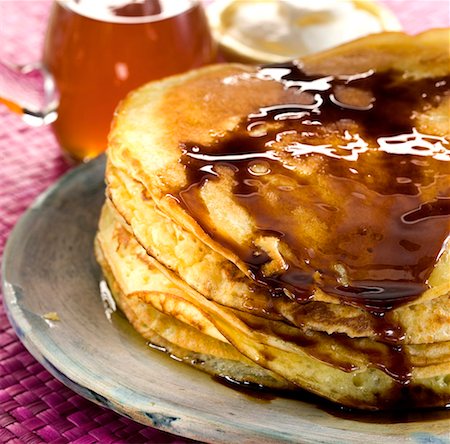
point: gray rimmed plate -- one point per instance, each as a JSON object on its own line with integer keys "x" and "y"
{"x": 49, "y": 267}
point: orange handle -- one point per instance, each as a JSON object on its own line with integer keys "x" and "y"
{"x": 29, "y": 90}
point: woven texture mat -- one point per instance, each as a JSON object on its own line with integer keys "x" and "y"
{"x": 34, "y": 406}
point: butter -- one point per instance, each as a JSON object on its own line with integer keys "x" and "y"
{"x": 286, "y": 29}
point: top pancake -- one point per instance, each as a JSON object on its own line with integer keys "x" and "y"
{"x": 301, "y": 221}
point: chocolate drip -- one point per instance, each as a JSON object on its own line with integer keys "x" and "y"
{"x": 356, "y": 196}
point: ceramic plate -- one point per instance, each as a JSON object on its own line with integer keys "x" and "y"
{"x": 49, "y": 267}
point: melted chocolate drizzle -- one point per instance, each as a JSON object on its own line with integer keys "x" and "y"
{"x": 362, "y": 198}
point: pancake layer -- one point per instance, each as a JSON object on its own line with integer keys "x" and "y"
{"x": 293, "y": 219}
{"x": 274, "y": 354}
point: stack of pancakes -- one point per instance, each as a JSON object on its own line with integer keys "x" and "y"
{"x": 287, "y": 225}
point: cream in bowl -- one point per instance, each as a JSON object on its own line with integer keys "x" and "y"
{"x": 278, "y": 30}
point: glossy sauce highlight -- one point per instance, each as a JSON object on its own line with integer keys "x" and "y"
{"x": 370, "y": 220}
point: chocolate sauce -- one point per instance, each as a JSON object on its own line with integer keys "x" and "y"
{"x": 340, "y": 178}
{"x": 387, "y": 358}
{"x": 251, "y": 390}
{"x": 368, "y": 220}
{"x": 403, "y": 411}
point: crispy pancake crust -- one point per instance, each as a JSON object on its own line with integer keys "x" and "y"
{"x": 155, "y": 308}
{"x": 189, "y": 321}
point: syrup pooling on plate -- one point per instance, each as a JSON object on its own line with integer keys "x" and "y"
{"x": 355, "y": 196}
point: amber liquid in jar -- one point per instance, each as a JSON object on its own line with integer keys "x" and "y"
{"x": 99, "y": 50}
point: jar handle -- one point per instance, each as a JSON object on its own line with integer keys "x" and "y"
{"x": 30, "y": 91}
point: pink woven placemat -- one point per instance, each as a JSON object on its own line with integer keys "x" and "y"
{"x": 34, "y": 406}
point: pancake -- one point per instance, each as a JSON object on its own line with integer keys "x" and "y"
{"x": 212, "y": 275}
{"x": 299, "y": 216}
{"x": 169, "y": 322}
{"x": 345, "y": 371}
